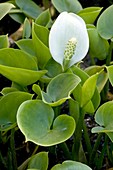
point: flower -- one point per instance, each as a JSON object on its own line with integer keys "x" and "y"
{"x": 68, "y": 39}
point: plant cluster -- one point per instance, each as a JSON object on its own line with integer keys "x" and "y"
{"x": 60, "y": 72}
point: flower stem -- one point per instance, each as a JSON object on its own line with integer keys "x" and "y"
{"x": 35, "y": 150}
{"x": 66, "y": 151}
{"x": 87, "y": 140}
{"x": 101, "y": 157}
{"x": 2, "y": 161}
{"x": 13, "y": 152}
{"x": 94, "y": 151}
{"x": 77, "y": 136}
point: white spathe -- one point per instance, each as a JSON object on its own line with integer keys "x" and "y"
{"x": 66, "y": 27}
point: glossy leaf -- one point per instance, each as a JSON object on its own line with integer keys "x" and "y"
{"x": 5, "y": 8}
{"x": 104, "y": 117}
{"x": 96, "y": 42}
{"x": 39, "y": 161}
{"x": 40, "y": 36}
{"x": 4, "y": 41}
{"x": 7, "y": 90}
{"x": 74, "y": 109}
{"x": 93, "y": 69}
{"x": 44, "y": 18}
{"x": 60, "y": 88}
{"x": 53, "y": 68}
{"x": 102, "y": 78}
{"x": 35, "y": 120}
{"x": 19, "y": 67}
{"x": 26, "y": 29}
{"x": 29, "y": 8}
{"x": 88, "y": 89}
{"x": 110, "y": 74}
{"x": 9, "y": 105}
{"x": 67, "y": 5}
{"x": 18, "y": 17}
{"x": 80, "y": 73}
{"x": 94, "y": 102}
{"x": 105, "y": 23}
{"x": 71, "y": 165}
{"x": 26, "y": 45}
{"x": 89, "y": 14}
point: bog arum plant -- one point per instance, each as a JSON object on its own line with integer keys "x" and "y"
{"x": 68, "y": 39}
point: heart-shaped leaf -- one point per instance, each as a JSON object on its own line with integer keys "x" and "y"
{"x": 35, "y": 120}
{"x": 71, "y": 165}
{"x": 105, "y": 23}
{"x": 104, "y": 117}
{"x": 9, "y": 105}
{"x": 39, "y": 161}
{"x": 60, "y": 88}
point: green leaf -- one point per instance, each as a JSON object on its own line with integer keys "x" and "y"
{"x": 77, "y": 93}
{"x": 105, "y": 23}
{"x": 94, "y": 102}
{"x": 104, "y": 117}
{"x": 67, "y": 5}
{"x": 39, "y": 161}
{"x": 89, "y": 14}
{"x": 5, "y": 8}
{"x": 26, "y": 45}
{"x": 93, "y": 69}
{"x": 7, "y": 90}
{"x": 110, "y": 73}
{"x": 53, "y": 68}
{"x": 17, "y": 58}
{"x": 44, "y": 18}
{"x": 36, "y": 88}
{"x": 74, "y": 109}
{"x": 19, "y": 67}
{"x": 9, "y": 105}
{"x": 35, "y": 120}
{"x": 29, "y": 8}
{"x": 88, "y": 89}
{"x": 60, "y": 88}
{"x": 26, "y": 29}
{"x": 102, "y": 78}
{"x": 40, "y": 36}
{"x": 80, "y": 73}
{"x": 71, "y": 165}
{"x": 18, "y": 17}
{"x": 97, "y": 42}
{"x": 4, "y": 41}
